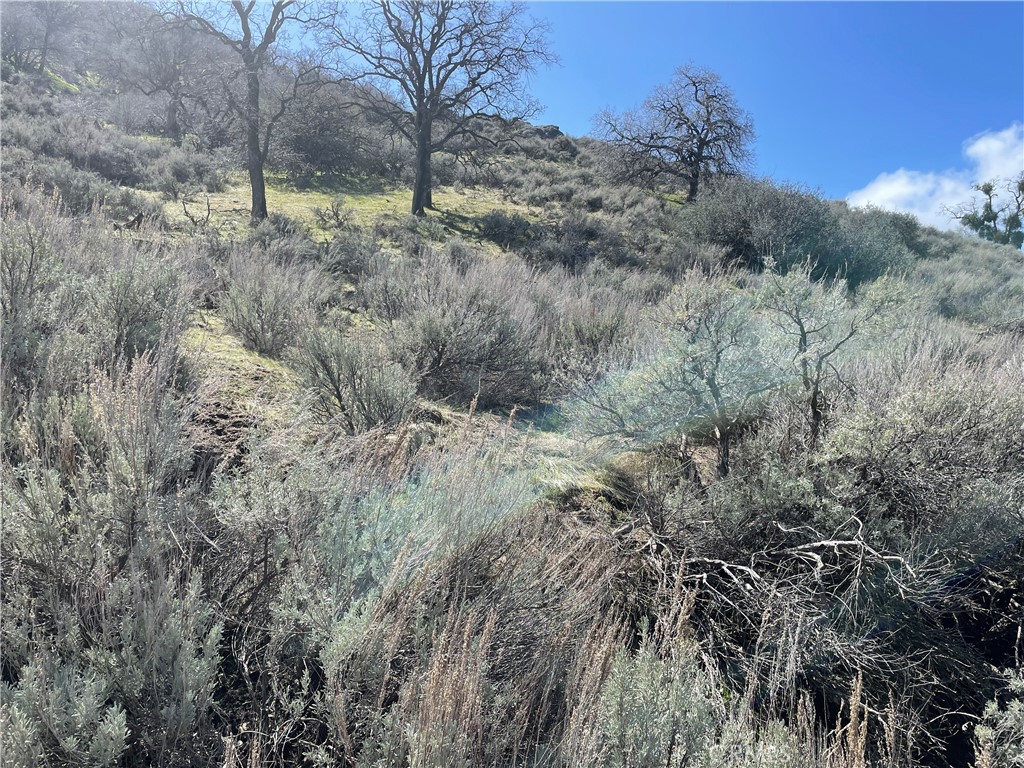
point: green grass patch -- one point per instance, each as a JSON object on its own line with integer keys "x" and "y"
{"x": 58, "y": 83}
{"x": 243, "y": 377}
{"x": 369, "y": 200}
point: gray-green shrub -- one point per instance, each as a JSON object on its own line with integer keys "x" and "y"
{"x": 758, "y": 221}
{"x": 75, "y": 295}
{"x": 465, "y": 336}
{"x": 266, "y": 302}
{"x": 1000, "y": 733}
{"x": 507, "y": 230}
{"x": 353, "y": 380}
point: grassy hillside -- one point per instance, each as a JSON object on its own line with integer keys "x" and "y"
{"x": 565, "y": 473}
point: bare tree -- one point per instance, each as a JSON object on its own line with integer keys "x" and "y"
{"x": 688, "y": 129}
{"x": 16, "y": 24}
{"x": 253, "y": 31}
{"x": 704, "y": 375}
{"x": 32, "y": 32}
{"x": 816, "y": 321}
{"x": 156, "y": 56}
{"x": 441, "y": 65}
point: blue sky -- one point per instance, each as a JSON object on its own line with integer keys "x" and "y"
{"x": 902, "y": 103}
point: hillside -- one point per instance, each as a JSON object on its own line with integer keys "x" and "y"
{"x": 569, "y": 471}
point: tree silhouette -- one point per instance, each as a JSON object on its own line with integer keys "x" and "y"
{"x": 437, "y": 69}
{"x": 688, "y": 129}
{"x": 992, "y": 221}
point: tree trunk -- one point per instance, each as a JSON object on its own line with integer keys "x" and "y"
{"x": 816, "y": 416}
{"x": 421, "y": 194}
{"x": 723, "y": 450}
{"x": 45, "y": 51}
{"x": 428, "y": 195}
{"x": 254, "y": 152}
{"x": 691, "y": 192}
{"x": 173, "y": 126}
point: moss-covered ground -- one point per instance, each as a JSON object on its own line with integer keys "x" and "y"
{"x": 369, "y": 202}
{"x": 257, "y": 385}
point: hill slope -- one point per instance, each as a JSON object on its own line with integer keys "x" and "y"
{"x": 565, "y": 473}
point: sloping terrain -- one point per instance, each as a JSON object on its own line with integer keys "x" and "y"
{"x": 565, "y": 473}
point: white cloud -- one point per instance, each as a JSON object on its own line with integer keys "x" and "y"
{"x": 997, "y": 154}
{"x": 927, "y": 195}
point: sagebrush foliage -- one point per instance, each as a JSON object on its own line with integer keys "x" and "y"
{"x": 606, "y": 481}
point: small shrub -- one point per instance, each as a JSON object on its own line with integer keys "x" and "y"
{"x": 595, "y": 328}
{"x": 459, "y": 253}
{"x": 1000, "y": 734}
{"x": 594, "y": 201}
{"x": 278, "y": 225}
{"x": 350, "y": 253}
{"x": 57, "y": 714}
{"x": 336, "y": 216}
{"x": 140, "y": 302}
{"x": 180, "y": 173}
{"x": 405, "y": 233}
{"x": 433, "y": 230}
{"x": 354, "y": 381}
{"x": 266, "y": 302}
{"x": 656, "y": 712}
{"x": 466, "y": 336}
{"x": 29, "y": 282}
{"x": 679, "y": 256}
{"x": 507, "y": 230}
{"x": 578, "y": 240}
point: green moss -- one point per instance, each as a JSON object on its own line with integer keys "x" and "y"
{"x": 248, "y": 380}
{"x": 60, "y": 84}
{"x": 369, "y": 200}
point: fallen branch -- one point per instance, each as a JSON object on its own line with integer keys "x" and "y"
{"x": 196, "y": 221}
{"x": 132, "y": 224}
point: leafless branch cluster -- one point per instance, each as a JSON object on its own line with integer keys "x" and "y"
{"x": 437, "y": 69}
{"x": 690, "y": 129}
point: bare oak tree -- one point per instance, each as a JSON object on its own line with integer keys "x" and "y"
{"x": 159, "y": 57}
{"x": 32, "y": 32}
{"x": 436, "y": 68}
{"x": 252, "y": 31}
{"x": 689, "y": 129}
